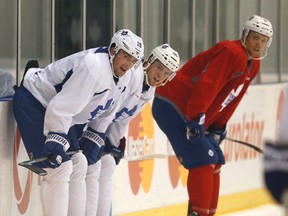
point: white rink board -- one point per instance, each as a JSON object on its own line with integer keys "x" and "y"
{"x": 147, "y": 184}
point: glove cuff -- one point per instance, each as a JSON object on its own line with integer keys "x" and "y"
{"x": 94, "y": 137}
{"x": 58, "y": 138}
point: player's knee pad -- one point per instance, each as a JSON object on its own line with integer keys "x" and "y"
{"x": 60, "y": 174}
{"x": 79, "y": 166}
{"x": 108, "y": 166}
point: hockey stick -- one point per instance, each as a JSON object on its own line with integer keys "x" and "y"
{"x": 29, "y": 164}
{"x": 256, "y": 148}
{"x": 145, "y": 157}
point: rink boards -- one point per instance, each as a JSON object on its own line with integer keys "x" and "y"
{"x": 157, "y": 184}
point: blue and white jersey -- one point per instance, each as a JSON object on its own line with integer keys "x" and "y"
{"x": 132, "y": 103}
{"x": 75, "y": 89}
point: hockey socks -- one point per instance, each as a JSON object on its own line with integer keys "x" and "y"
{"x": 203, "y": 189}
{"x": 216, "y": 188}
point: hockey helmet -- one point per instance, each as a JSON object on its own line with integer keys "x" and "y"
{"x": 129, "y": 42}
{"x": 167, "y": 56}
{"x": 260, "y": 25}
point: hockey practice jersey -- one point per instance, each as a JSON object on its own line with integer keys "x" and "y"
{"x": 75, "y": 89}
{"x": 131, "y": 103}
{"x": 213, "y": 82}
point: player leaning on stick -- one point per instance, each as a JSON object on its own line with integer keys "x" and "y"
{"x": 194, "y": 108}
{"x": 51, "y": 102}
{"x": 159, "y": 68}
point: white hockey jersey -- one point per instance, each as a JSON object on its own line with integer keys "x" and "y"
{"x": 76, "y": 89}
{"x": 131, "y": 103}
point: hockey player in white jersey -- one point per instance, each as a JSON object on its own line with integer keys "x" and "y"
{"x": 160, "y": 67}
{"x": 52, "y": 102}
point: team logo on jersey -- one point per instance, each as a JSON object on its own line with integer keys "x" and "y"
{"x": 124, "y": 113}
{"x": 100, "y": 109}
{"x": 233, "y": 94}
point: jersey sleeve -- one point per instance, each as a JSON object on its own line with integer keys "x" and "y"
{"x": 228, "y": 112}
{"x": 74, "y": 96}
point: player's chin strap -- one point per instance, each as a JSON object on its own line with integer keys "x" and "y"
{"x": 161, "y": 84}
{"x": 265, "y": 51}
{"x": 145, "y": 73}
{"x": 116, "y": 78}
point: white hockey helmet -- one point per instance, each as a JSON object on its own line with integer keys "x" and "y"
{"x": 129, "y": 42}
{"x": 167, "y": 56}
{"x": 260, "y": 25}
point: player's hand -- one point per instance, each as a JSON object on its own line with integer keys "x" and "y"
{"x": 92, "y": 143}
{"x": 218, "y": 134}
{"x": 56, "y": 145}
{"x": 195, "y": 130}
{"x": 116, "y": 152}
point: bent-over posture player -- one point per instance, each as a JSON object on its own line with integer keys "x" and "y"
{"x": 159, "y": 68}
{"x": 52, "y": 101}
{"x": 194, "y": 108}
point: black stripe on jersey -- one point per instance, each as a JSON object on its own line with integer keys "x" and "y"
{"x": 59, "y": 86}
{"x": 98, "y": 93}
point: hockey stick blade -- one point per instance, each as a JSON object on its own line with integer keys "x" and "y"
{"x": 145, "y": 157}
{"x": 29, "y": 164}
{"x": 256, "y": 148}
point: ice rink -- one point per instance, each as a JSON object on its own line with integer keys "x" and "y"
{"x": 265, "y": 210}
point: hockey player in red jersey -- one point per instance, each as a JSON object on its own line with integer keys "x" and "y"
{"x": 194, "y": 108}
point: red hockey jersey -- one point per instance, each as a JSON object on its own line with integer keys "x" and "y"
{"x": 213, "y": 82}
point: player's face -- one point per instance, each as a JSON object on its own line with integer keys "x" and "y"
{"x": 157, "y": 73}
{"x": 255, "y": 43}
{"x": 122, "y": 62}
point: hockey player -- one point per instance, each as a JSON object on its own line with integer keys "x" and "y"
{"x": 51, "y": 102}
{"x": 193, "y": 109}
{"x": 159, "y": 68}
{"x": 276, "y": 158}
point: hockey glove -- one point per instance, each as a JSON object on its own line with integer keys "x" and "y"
{"x": 196, "y": 129}
{"x": 92, "y": 143}
{"x": 56, "y": 145}
{"x": 116, "y": 152}
{"x": 218, "y": 134}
